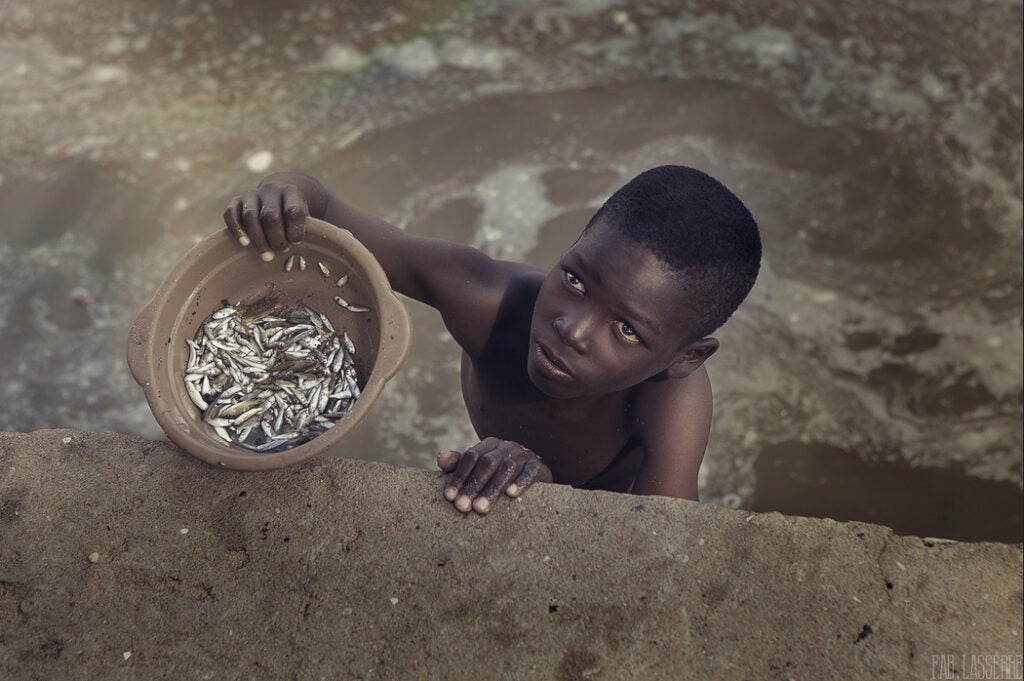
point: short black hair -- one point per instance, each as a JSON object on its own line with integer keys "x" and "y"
{"x": 694, "y": 224}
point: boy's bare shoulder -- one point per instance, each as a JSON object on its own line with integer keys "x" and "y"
{"x": 660, "y": 402}
{"x": 672, "y": 421}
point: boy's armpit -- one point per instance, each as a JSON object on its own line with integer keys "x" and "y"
{"x": 672, "y": 420}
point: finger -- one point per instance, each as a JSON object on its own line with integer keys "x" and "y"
{"x": 271, "y": 217}
{"x": 466, "y": 465}
{"x": 447, "y": 461}
{"x": 251, "y": 223}
{"x": 533, "y": 471}
{"x": 233, "y": 220}
{"x": 462, "y": 471}
{"x": 508, "y": 469}
{"x": 484, "y": 470}
{"x": 295, "y": 213}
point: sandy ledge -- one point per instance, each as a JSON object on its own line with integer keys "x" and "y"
{"x": 126, "y": 558}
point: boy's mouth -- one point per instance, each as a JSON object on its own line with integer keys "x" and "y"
{"x": 550, "y": 364}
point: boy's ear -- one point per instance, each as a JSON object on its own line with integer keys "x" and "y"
{"x": 691, "y": 357}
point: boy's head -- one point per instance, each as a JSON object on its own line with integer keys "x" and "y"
{"x": 696, "y": 226}
{"x": 664, "y": 262}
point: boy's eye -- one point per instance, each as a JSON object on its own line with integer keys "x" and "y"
{"x": 627, "y": 331}
{"x": 573, "y": 281}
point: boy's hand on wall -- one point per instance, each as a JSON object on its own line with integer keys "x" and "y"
{"x": 271, "y": 217}
{"x": 479, "y": 475}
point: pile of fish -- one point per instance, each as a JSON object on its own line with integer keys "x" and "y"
{"x": 271, "y": 378}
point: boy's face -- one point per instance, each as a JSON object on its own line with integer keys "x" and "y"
{"x": 607, "y": 317}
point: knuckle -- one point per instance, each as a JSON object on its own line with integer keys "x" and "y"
{"x": 249, "y": 213}
{"x": 295, "y": 212}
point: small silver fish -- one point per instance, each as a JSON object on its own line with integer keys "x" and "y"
{"x": 197, "y": 399}
{"x": 280, "y": 371}
{"x": 219, "y": 423}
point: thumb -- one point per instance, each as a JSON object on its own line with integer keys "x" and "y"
{"x": 447, "y": 461}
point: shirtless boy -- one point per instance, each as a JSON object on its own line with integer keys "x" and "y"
{"x": 591, "y": 374}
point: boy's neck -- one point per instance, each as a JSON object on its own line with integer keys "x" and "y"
{"x": 573, "y": 408}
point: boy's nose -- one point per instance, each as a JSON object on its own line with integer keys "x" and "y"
{"x": 574, "y": 331}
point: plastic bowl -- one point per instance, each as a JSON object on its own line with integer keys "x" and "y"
{"x": 219, "y": 270}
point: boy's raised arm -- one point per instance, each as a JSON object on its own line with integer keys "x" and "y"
{"x": 458, "y": 280}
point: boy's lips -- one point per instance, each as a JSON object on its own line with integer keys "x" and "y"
{"x": 551, "y": 364}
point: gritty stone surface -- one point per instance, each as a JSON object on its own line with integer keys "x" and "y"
{"x": 344, "y": 569}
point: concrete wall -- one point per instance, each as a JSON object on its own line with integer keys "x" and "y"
{"x": 126, "y": 558}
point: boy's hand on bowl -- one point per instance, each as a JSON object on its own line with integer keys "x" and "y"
{"x": 271, "y": 217}
{"x": 479, "y": 475}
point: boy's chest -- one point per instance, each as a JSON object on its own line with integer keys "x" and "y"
{"x": 575, "y": 445}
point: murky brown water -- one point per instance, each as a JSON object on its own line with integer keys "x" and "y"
{"x": 821, "y": 480}
{"x": 875, "y": 371}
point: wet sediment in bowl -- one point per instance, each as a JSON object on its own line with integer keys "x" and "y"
{"x": 219, "y": 271}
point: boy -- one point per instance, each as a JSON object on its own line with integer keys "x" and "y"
{"x": 591, "y": 374}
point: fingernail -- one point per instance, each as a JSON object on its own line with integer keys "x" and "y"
{"x": 482, "y": 505}
{"x": 450, "y": 493}
{"x": 463, "y": 503}
{"x": 244, "y": 240}
{"x": 512, "y": 490}
{"x": 267, "y": 256}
